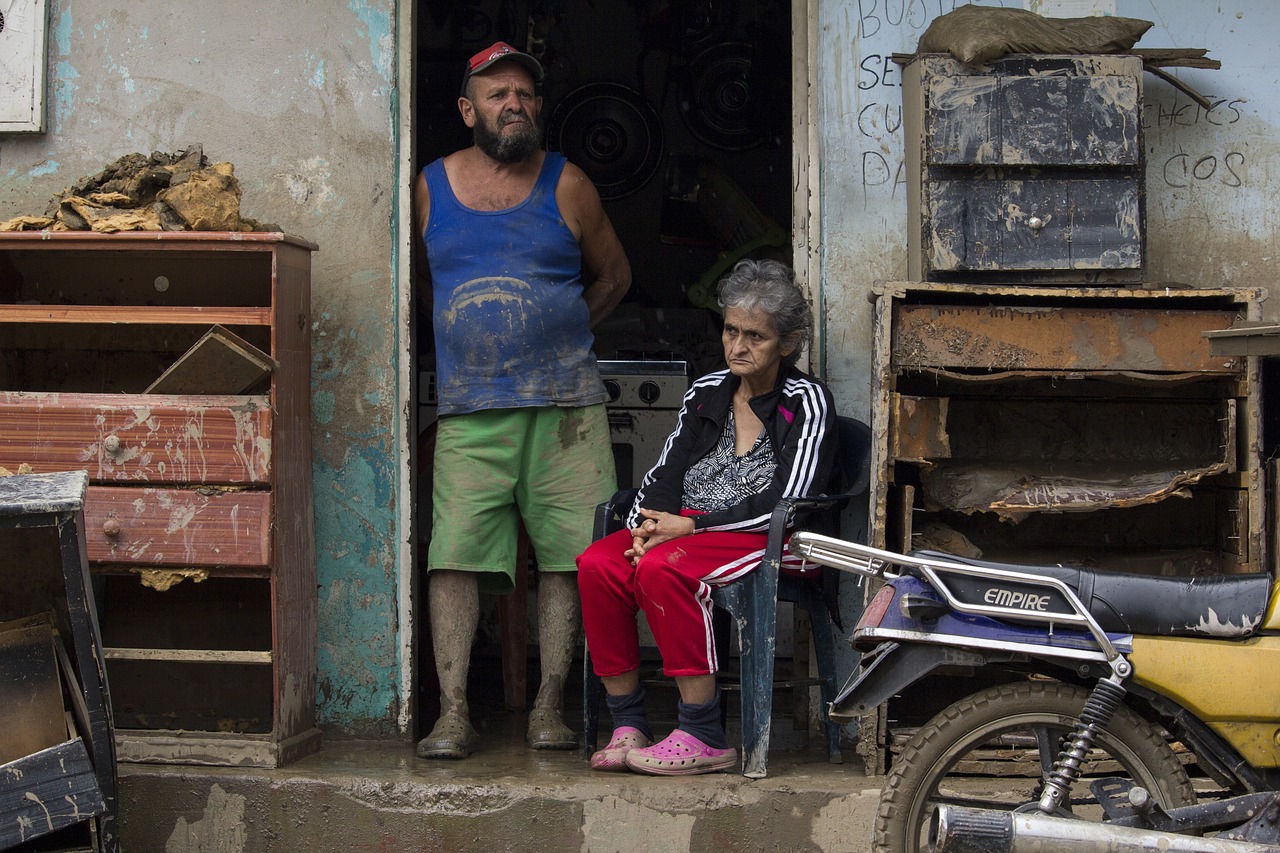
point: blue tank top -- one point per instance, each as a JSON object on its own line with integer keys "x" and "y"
{"x": 511, "y": 326}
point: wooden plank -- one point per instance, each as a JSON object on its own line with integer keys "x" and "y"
{"x": 134, "y": 241}
{"x": 190, "y": 655}
{"x": 1245, "y": 338}
{"x": 138, "y": 438}
{"x": 221, "y": 362}
{"x": 178, "y": 527}
{"x": 205, "y": 748}
{"x": 293, "y": 556}
{"x": 50, "y": 790}
{"x": 136, "y": 314}
{"x": 1020, "y": 337}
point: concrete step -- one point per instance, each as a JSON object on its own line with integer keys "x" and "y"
{"x": 376, "y": 796}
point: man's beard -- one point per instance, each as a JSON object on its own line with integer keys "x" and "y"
{"x": 507, "y": 148}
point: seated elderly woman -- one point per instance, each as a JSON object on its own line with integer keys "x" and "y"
{"x": 747, "y": 436}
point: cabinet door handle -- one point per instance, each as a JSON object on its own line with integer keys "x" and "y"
{"x": 1036, "y": 223}
{"x": 111, "y": 444}
{"x": 111, "y": 527}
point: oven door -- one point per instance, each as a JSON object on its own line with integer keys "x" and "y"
{"x": 638, "y": 436}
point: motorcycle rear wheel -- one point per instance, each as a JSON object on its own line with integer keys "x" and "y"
{"x": 938, "y": 764}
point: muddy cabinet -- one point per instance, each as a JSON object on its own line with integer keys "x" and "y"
{"x": 174, "y": 369}
{"x": 1066, "y": 425}
{"x": 1031, "y": 165}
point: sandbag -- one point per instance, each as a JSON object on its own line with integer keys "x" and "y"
{"x": 976, "y": 35}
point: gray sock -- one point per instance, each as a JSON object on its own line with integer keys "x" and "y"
{"x": 629, "y": 711}
{"x": 703, "y": 722}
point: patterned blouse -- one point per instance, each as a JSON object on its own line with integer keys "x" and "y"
{"x": 722, "y": 478}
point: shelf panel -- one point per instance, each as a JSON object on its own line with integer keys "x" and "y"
{"x": 133, "y": 315}
{"x": 190, "y": 655}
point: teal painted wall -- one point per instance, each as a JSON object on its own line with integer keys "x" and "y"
{"x": 301, "y": 98}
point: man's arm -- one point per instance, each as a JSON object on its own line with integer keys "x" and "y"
{"x": 607, "y": 271}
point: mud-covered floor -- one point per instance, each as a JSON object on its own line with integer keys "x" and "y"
{"x": 355, "y": 795}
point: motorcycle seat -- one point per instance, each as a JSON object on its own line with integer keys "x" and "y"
{"x": 1222, "y": 606}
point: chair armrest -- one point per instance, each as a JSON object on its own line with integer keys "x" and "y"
{"x": 611, "y": 515}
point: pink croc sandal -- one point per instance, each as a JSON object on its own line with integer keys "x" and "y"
{"x": 614, "y": 756}
{"x": 681, "y": 754}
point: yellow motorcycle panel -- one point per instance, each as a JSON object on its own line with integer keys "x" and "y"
{"x": 1229, "y": 684}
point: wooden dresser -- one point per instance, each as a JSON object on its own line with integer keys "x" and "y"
{"x": 199, "y": 511}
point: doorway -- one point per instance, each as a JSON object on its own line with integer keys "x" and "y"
{"x": 681, "y": 113}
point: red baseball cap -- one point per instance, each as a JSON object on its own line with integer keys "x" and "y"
{"x": 497, "y": 52}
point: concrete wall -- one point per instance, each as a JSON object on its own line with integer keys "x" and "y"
{"x": 1210, "y": 220}
{"x": 301, "y": 98}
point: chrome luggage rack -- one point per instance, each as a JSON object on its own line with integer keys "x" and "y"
{"x": 997, "y": 593}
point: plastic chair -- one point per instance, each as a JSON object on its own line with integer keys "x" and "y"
{"x": 753, "y": 604}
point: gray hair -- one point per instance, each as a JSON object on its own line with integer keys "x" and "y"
{"x": 770, "y": 287}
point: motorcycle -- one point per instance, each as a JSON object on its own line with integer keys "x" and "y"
{"x": 1093, "y": 678}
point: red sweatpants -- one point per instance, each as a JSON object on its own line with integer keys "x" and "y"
{"x": 672, "y": 584}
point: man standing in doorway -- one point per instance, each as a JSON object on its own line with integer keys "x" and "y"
{"x": 523, "y": 262}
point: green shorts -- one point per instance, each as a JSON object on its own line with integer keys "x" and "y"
{"x": 547, "y": 465}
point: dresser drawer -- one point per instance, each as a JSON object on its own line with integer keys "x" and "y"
{"x": 148, "y": 438}
{"x": 177, "y": 527}
{"x": 980, "y": 223}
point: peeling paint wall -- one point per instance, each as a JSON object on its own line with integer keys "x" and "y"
{"x": 1210, "y": 221}
{"x": 301, "y": 98}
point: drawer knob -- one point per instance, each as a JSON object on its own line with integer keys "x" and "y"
{"x": 111, "y": 444}
{"x": 1036, "y": 223}
{"x": 111, "y": 527}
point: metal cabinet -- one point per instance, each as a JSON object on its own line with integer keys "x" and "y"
{"x": 199, "y": 507}
{"x": 1032, "y": 166}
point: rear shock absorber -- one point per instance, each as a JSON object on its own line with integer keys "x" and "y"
{"x": 1096, "y": 716}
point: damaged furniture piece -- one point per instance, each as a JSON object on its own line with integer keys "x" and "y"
{"x": 1073, "y": 425}
{"x": 174, "y": 368}
{"x": 1060, "y": 425}
{"x": 58, "y": 786}
{"x": 1030, "y": 169}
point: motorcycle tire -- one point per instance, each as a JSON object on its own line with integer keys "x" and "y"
{"x": 1027, "y": 718}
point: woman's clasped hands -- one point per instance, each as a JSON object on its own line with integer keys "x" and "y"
{"x": 657, "y": 527}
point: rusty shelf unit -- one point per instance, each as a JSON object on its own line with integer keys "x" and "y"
{"x": 1067, "y": 425}
{"x": 199, "y": 511}
{"x": 1030, "y": 169}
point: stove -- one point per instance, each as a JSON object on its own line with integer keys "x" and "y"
{"x": 644, "y": 384}
{"x": 643, "y": 405}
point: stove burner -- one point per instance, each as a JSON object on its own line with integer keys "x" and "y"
{"x": 643, "y": 384}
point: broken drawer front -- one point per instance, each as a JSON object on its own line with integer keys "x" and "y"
{"x": 149, "y": 438}
{"x": 1020, "y": 115}
{"x": 1057, "y": 338}
{"x": 975, "y": 222}
{"x": 177, "y": 527}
